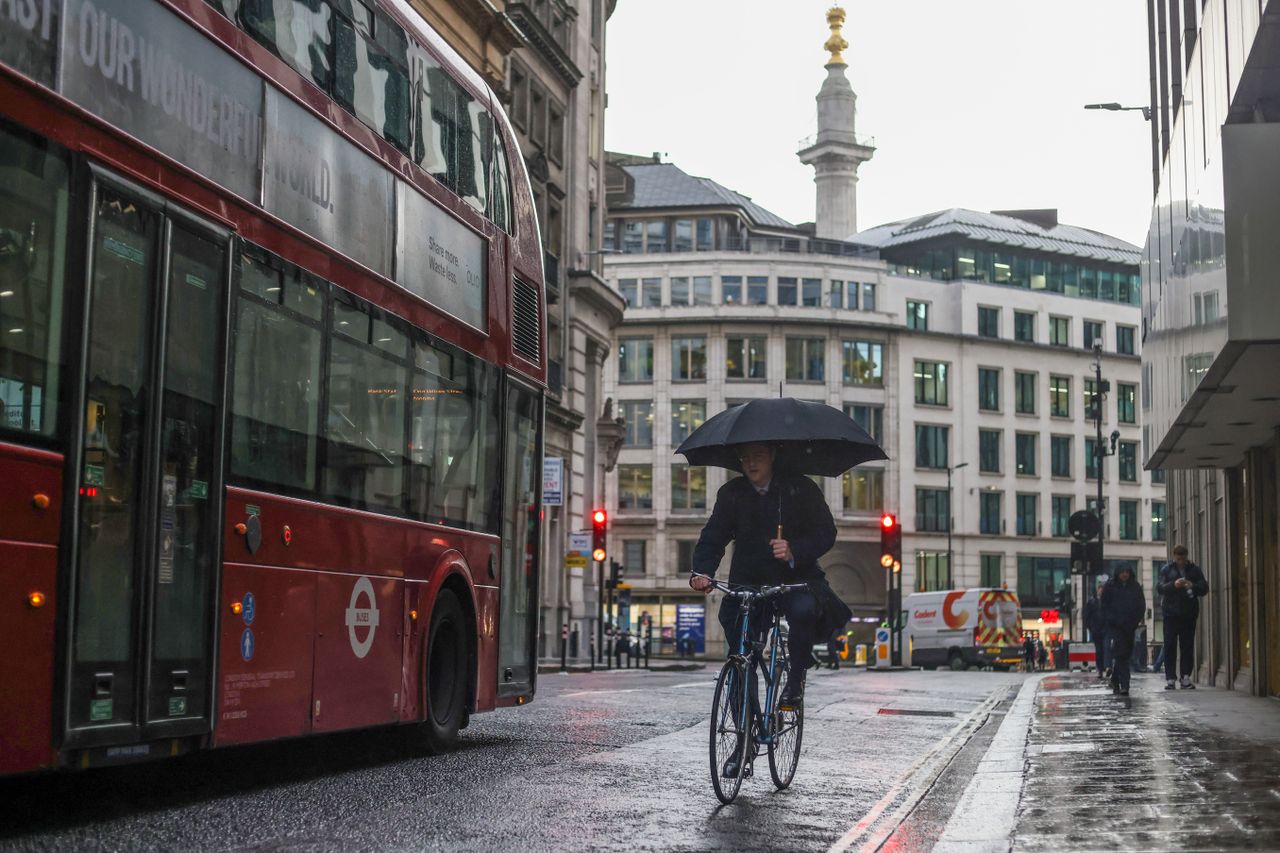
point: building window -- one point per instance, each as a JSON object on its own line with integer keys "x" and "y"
{"x": 731, "y": 289}
{"x": 989, "y": 451}
{"x": 988, "y": 322}
{"x": 992, "y": 570}
{"x": 1090, "y": 398}
{"x": 689, "y": 358}
{"x": 688, "y": 486}
{"x": 1128, "y": 461}
{"x": 757, "y": 290}
{"x": 835, "y": 295}
{"x": 638, "y": 415}
{"x": 990, "y": 513}
{"x": 1024, "y": 393}
{"x": 917, "y": 315}
{"x": 863, "y": 490}
{"x": 632, "y": 237}
{"x": 635, "y": 487}
{"x": 863, "y": 362}
{"x": 868, "y": 296}
{"x": 745, "y": 357}
{"x": 931, "y": 383}
{"x": 555, "y": 132}
{"x": 787, "y": 291}
{"x": 1124, "y": 340}
{"x": 1060, "y": 455}
{"x": 633, "y": 562}
{"x": 630, "y": 290}
{"x": 635, "y": 360}
{"x": 686, "y": 416}
{"x": 679, "y": 290}
{"x": 655, "y": 236}
{"x": 702, "y": 290}
{"x": 1090, "y": 459}
{"x": 1061, "y": 513}
{"x": 1128, "y": 519}
{"x": 1157, "y": 476}
{"x": 811, "y": 292}
{"x": 699, "y": 294}
{"x": 1092, "y": 333}
{"x": 1024, "y": 326}
{"x": 931, "y": 446}
{"x": 1060, "y": 331}
{"x": 1060, "y": 396}
{"x": 706, "y": 235}
{"x": 988, "y": 389}
{"x": 682, "y": 238}
{"x": 1027, "y": 514}
{"x": 1040, "y": 577}
{"x": 1025, "y": 453}
{"x": 1157, "y": 521}
{"x": 869, "y": 417}
{"x": 651, "y": 292}
{"x": 931, "y": 571}
{"x": 932, "y": 510}
{"x": 805, "y": 359}
{"x": 1126, "y": 403}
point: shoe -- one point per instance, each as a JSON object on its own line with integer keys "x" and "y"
{"x": 793, "y": 697}
{"x": 1169, "y": 685}
{"x": 1123, "y": 691}
{"x": 1115, "y": 688}
{"x": 1187, "y": 684}
{"x": 730, "y": 769}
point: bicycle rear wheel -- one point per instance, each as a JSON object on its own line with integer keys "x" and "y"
{"x": 729, "y": 728}
{"x": 787, "y": 730}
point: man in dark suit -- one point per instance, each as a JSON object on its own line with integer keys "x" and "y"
{"x": 1181, "y": 586}
{"x": 779, "y": 526}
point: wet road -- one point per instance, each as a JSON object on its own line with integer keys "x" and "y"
{"x": 614, "y": 761}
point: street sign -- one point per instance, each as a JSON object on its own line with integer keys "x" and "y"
{"x": 580, "y": 540}
{"x": 552, "y": 481}
{"x": 575, "y": 560}
{"x": 1083, "y": 525}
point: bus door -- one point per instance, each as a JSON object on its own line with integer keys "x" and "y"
{"x": 521, "y": 536}
{"x": 145, "y": 550}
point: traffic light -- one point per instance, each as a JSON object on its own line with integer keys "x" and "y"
{"x": 599, "y": 522}
{"x": 890, "y": 542}
{"x": 615, "y": 574}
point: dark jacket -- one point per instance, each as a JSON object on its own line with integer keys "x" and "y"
{"x": 750, "y": 521}
{"x": 1123, "y": 605}
{"x": 1093, "y": 617}
{"x": 1181, "y": 602}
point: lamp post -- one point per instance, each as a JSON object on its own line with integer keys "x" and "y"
{"x": 1100, "y": 453}
{"x": 950, "y": 516}
{"x": 1114, "y": 107}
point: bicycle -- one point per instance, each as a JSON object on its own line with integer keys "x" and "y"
{"x": 739, "y": 728}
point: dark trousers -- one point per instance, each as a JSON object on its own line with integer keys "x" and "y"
{"x": 1099, "y": 650}
{"x": 801, "y": 609}
{"x": 1121, "y": 651}
{"x": 1179, "y": 644}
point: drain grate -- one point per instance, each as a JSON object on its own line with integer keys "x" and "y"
{"x": 914, "y": 712}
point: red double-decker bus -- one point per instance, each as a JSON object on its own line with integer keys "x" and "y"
{"x": 271, "y": 372}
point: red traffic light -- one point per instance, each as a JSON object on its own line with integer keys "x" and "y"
{"x": 888, "y": 522}
{"x": 599, "y": 517}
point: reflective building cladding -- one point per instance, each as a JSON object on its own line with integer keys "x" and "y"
{"x": 1211, "y": 318}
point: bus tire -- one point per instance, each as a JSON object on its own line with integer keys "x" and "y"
{"x": 445, "y": 674}
{"x": 956, "y": 662}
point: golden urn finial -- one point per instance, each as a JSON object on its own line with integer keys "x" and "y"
{"x": 835, "y": 44}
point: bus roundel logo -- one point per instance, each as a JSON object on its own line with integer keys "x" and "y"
{"x": 362, "y": 619}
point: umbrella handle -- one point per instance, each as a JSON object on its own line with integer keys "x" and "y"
{"x": 779, "y": 531}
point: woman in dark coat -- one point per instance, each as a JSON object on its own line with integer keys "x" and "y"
{"x": 1123, "y": 606}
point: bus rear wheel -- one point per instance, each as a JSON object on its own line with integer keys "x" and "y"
{"x": 446, "y": 674}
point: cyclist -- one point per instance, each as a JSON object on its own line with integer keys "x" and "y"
{"x": 748, "y": 512}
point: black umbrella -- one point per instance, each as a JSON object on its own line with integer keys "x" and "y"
{"x": 812, "y": 438}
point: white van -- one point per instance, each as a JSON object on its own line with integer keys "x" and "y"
{"x": 961, "y": 628}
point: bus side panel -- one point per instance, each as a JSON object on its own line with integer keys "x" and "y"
{"x": 265, "y": 654}
{"x": 359, "y": 647}
{"x": 30, "y": 514}
{"x": 27, "y": 635}
{"x": 487, "y": 613}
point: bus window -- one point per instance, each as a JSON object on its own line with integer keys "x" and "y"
{"x": 371, "y": 77}
{"x": 364, "y": 426}
{"x": 453, "y": 442}
{"x": 33, "y": 217}
{"x": 276, "y": 396}
{"x": 500, "y": 197}
{"x": 299, "y": 31}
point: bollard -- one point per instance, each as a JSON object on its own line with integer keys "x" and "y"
{"x": 564, "y": 647}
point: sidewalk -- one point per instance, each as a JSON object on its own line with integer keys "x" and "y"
{"x": 1176, "y": 770}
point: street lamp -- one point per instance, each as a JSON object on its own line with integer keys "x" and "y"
{"x": 949, "y": 518}
{"x": 1114, "y": 107}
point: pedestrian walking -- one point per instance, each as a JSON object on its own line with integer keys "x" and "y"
{"x": 1029, "y": 653}
{"x": 834, "y": 644}
{"x": 1097, "y": 631}
{"x": 1042, "y": 655}
{"x": 1181, "y": 586}
{"x": 1123, "y": 606}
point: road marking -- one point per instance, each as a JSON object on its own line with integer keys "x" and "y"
{"x": 711, "y": 683}
{"x": 600, "y": 692}
{"x": 985, "y": 815}
{"x": 871, "y": 831}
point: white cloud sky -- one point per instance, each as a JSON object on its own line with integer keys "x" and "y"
{"x": 972, "y": 103}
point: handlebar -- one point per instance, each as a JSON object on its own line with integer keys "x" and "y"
{"x": 747, "y": 593}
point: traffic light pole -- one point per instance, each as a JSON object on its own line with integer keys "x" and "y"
{"x": 1088, "y": 590}
{"x": 599, "y": 650}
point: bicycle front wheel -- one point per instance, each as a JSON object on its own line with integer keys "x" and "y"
{"x": 729, "y": 727}
{"x": 787, "y": 730}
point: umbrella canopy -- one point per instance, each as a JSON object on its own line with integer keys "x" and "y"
{"x": 812, "y": 438}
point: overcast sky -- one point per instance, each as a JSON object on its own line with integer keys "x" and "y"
{"x": 972, "y": 103}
